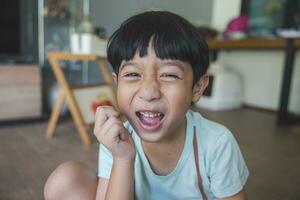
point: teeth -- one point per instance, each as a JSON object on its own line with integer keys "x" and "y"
{"x": 150, "y": 114}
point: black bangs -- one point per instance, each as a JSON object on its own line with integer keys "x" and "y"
{"x": 172, "y": 37}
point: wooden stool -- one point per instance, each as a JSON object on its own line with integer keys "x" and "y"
{"x": 66, "y": 92}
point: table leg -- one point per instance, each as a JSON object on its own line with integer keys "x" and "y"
{"x": 284, "y": 116}
{"x": 55, "y": 114}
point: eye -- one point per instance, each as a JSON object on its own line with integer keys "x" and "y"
{"x": 170, "y": 76}
{"x": 131, "y": 75}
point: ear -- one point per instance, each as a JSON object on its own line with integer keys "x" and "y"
{"x": 199, "y": 87}
{"x": 115, "y": 77}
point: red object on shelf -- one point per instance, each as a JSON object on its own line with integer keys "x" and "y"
{"x": 96, "y": 104}
{"x": 239, "y": 24}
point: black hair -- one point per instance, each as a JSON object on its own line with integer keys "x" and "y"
{"x": 172, "y": 37}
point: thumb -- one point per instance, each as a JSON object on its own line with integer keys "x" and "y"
{"x": 123, "y": 135}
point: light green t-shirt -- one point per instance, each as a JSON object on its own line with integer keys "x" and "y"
{"x": 222, "y": 167}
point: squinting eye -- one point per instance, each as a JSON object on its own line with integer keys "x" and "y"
{"x": 170, "y": 76}
{"x": 132, "y": 74}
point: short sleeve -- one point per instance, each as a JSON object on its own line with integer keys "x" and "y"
{"x": 228, "y": 172}
{"x": 105, "y": 162}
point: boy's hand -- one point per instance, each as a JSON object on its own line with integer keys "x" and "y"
{"x": 110, "y": 132}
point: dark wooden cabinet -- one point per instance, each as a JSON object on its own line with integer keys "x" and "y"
{"x": 20, "y": 92}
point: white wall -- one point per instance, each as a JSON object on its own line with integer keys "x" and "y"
{"x": 261, "y": 72}
{"x": 223, "y": 12}
{"x": 110, "y": 14}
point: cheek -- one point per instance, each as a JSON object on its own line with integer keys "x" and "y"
{"x": 179, "y": 95}
{"x": 124, "y": 96}
{"x": 121, "y": 95}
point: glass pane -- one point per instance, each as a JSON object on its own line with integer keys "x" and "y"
{"x": 60, "y": 19}
{"x": 265, "y": 16}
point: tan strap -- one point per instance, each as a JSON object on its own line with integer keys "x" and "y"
{"x": 196, "y": 154}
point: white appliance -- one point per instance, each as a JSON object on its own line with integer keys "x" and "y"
{"x": 224, "y": 91}
{"x": 86, "y": 43}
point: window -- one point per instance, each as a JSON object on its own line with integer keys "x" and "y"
{"x": 265, "y": 16}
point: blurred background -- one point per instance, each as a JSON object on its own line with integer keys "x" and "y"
{"x": 254, "y": 84}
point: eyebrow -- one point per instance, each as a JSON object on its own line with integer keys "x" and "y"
{"x": 126, "y": 63}
{"x": 174, "y": 63}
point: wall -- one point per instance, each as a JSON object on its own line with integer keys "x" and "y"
{"x": 222, "y": 13}
{"x": 261, "y": 72}
{"x": 110, "y": 14}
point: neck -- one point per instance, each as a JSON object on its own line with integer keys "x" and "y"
{"x": 163, "y": 156}
{"x": 172, "y": 138}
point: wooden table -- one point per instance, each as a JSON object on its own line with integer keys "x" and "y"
{"x": 289, "y": 45}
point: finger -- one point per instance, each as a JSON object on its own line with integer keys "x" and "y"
{"x": 109, "y": 123}
{"x": 120, "y": 133}
{"x": 124, "y": 135}
{"x": 106, "y": 111}
{"x": 114, "y": 135}
{"x": 102, "y": 114}
{"x": 105, "y": 129}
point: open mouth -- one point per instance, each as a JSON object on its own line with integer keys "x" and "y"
{"x": 150, "y": 120}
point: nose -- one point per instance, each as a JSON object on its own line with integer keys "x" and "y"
{"x": 149, "y": 90}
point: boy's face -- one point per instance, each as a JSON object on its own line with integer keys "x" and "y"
{"x": 155, "y": 95}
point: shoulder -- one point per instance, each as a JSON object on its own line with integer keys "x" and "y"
{"x": 213, "y": 138}
{"x": 208, "y": 132}
{"x": 222, "y": 160}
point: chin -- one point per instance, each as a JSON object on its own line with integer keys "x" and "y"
{"x": 150, "y": 138}
{"x": 148, "y": 135}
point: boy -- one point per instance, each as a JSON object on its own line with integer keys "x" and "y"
{"x": 164, "y": 150}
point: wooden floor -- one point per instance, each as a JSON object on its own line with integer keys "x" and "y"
{"x": 272, "y": 154}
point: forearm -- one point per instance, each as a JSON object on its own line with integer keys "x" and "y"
{"x": 121, "y": 182}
